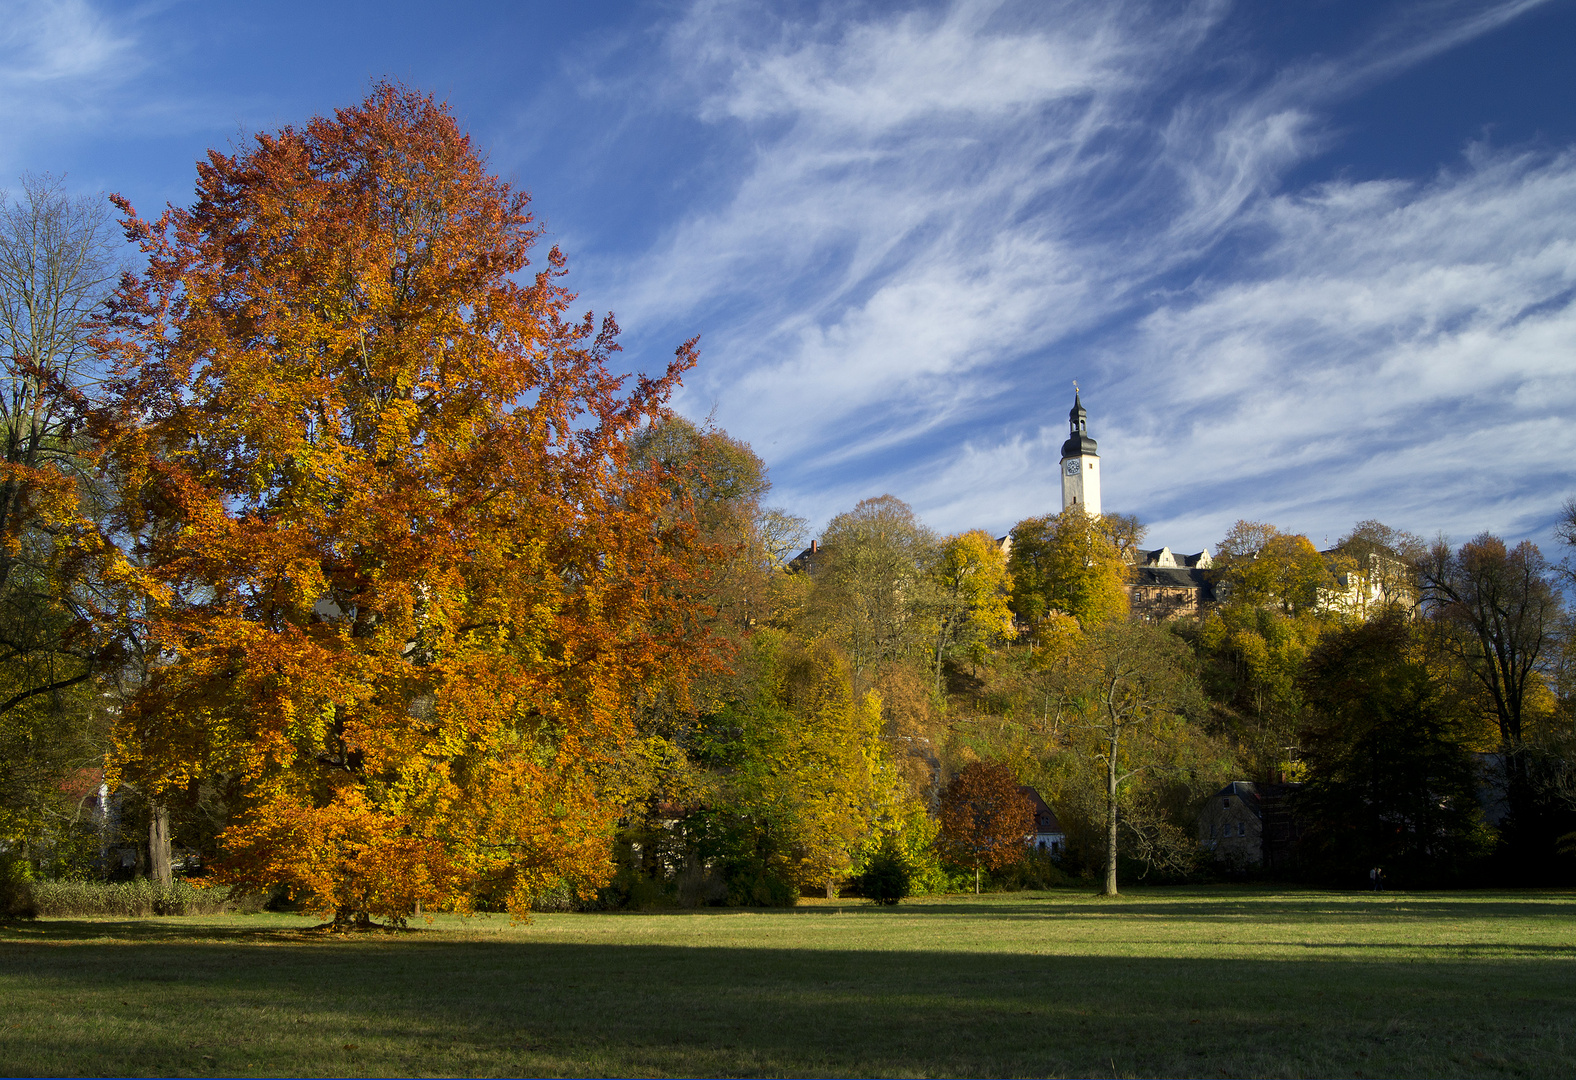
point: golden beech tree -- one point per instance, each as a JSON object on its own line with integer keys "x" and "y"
{"x": 404, "y": 587}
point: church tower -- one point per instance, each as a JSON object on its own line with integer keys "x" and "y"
{"x": 1080, "y": 463}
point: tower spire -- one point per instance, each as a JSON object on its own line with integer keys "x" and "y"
{"x": 1080, "y": 461}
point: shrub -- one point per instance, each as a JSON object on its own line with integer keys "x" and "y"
{"x": 134, "y": 899}
{"x": 1036, "y": 870}
{"x": 16, "y": 897}
{"x": 887, "y": 877}
{"x": 753, "y": 883}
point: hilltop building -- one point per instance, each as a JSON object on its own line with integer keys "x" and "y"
{"x": 1080, "y": 463}
{"x": 1164, "y": 585}
{"x": 1167, "y": 585}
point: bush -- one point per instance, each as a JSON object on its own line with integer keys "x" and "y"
{"x": 16, "y": 897}
{"x": 887, "y": 877}
{"x": 135, "y": 899}
{"x": 752, "y": 883}
{"x": 1036, "y": 870}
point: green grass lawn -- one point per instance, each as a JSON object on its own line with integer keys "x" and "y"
{"x": 1162, "y": 982}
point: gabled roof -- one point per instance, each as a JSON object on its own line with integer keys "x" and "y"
{"x": 1175, "y": 578}
{"x": 1045, "y": 819}
{"x": 1253, "y": 795}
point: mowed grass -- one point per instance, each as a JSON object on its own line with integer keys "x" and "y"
{"x": 1161, "y": 982}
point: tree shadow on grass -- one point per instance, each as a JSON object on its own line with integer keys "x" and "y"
{"x": 429, "y": 1004}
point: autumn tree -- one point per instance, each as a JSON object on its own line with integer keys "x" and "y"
{"x": 1255, "y": 640}
{"x": 405, "y": 589}
{"x": 971, "y": 589}
{"x": 1498, "y": 612}
{"x": 806, "y": 778}
{"x": 872, "y": 590}
{"x": 1261, "y": 566}
{"x": 986, "y": 819}
{"x": 1069, "y": 563}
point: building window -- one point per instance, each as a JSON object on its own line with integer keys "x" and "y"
{"x": 1242, "y": 828}
{"x": 1225, "y": 804}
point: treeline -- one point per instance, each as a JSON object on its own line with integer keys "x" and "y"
{"x": 337, "y": 566}
{"x": 1412, "y": 702}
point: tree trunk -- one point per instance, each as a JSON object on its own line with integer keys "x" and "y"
{"x": 159, "y": 846}
{"x": 1110, "y": 821}
{"x": 976, "y": 879}
{"x": 831, "y": 889}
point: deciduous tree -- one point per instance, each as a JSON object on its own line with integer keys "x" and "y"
{"x": 872, "y": 589}
{"x": 986, "y": 820}
{"x": 971, "y": 589}
{"x": 1068, "y": 563}
{"x": 57, "y": 265}
{"x": 1128, "y": 691}
{"x": 402, "y": 581}
{"x": 1258, "y": 565}
{"x": 1498, "y": 611}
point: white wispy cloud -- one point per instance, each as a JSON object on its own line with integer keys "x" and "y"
{"x": 60, "y": 61}
{"x": 941, "y": 217}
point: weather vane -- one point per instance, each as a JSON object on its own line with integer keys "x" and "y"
{"x": 1075, "y": 386}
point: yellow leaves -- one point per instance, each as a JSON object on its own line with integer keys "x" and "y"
{"x": 1067, "y": 563}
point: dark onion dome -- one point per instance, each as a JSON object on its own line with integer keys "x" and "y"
{"x": 1078, "y": 444}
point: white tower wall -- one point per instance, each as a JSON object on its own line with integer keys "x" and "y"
{"x": 1081, "y": 483}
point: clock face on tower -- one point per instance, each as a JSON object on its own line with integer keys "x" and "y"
{"x": 1071, "y": 468}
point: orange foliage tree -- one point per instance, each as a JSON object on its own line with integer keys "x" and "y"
{"x": 403, "y": 587}
{"x": 986, "y": 819}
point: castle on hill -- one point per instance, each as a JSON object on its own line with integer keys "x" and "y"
{"x": 1164, "y": 585}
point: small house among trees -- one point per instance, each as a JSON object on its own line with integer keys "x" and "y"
{"x": 1246, "y": 825}
{"x": 1048, "y": 835}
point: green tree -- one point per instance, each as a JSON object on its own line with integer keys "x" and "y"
{"x": 873, "y": 590}
{"x": 1389, "y": 781}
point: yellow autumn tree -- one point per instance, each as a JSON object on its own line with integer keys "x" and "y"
{"x": 971, "y": 589}
{"x": 834, "y": 770}
{"x": 1068, "y": 563}
{"x": 402, "y": 588}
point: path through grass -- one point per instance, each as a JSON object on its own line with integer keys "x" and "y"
{"x": 1208, "y": 982}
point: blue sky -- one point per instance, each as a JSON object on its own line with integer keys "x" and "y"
{"x": 1310, "y": 262}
